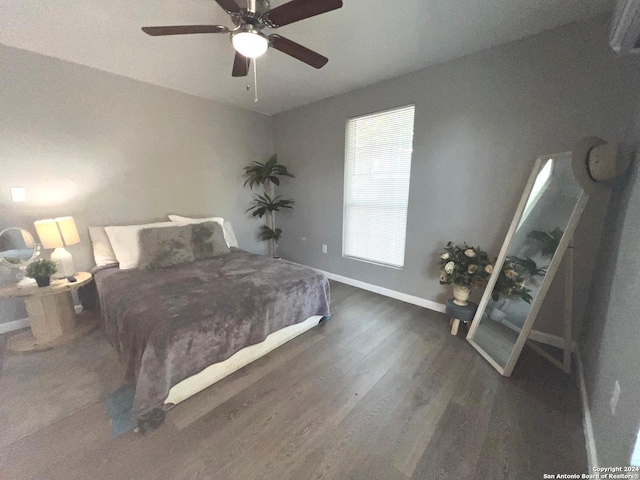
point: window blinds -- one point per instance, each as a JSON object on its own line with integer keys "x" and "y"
{"x": 377, "y": 174}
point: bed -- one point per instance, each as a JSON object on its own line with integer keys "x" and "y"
{"x": 179, "y": 329}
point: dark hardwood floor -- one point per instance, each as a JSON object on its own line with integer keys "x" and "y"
{"x": 382, "y": 391}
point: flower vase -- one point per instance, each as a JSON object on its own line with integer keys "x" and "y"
{"x": 461, "y": 295}
{"x": 43, "y": 281}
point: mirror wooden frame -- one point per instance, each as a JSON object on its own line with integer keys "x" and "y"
{"x": 556, "y": 260}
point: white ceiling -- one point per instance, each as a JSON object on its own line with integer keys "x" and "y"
{"x": 366, "y": 41}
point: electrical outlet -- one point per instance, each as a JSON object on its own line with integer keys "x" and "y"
{"x": 615, "y": 398}
{"x": 324, "y": 248}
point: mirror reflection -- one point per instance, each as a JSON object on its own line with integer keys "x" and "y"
{"x": 17, "y": 247}
{"x": 546, "y": 215}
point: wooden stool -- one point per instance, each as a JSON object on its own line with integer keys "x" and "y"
{"x": 460, "y": 313}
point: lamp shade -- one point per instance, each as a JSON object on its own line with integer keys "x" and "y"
{"x": 68, "y": 230}
{"x": 49, "y": 234}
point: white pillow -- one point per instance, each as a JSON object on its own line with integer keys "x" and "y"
{"x": 103, "y": 253}
{"x": 229, "y": 233}
{"x": 124, "y": 240}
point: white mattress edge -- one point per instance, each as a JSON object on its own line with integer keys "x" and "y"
{"x": 216, "y": 372}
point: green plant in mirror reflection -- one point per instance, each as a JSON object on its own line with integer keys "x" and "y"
{"x": 511, "y": 283}
{"x": 549, "y": 241}
{"x": 529, "y": 268}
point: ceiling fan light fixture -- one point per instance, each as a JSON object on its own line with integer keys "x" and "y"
{"x": 250, "y": 44}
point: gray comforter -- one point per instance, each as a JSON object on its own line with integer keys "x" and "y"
{"x": 171, "y": 323}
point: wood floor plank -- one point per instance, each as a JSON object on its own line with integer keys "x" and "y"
{"x": 337, "y": 447}
{"x": 318, "y": 410}
{"x": 382, "y": 391}
{"x": 412, "y": 426}
{"x": 455, "y": 447}
{"x": 202, "y": 403}
{"x": 519, "y": 440}
{"x": 252, "y": 412}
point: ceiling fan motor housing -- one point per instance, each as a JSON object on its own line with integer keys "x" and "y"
{"x": 262, "y": 6}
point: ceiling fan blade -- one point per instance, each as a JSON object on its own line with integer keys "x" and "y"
{"x": 230, "y": 6}
{"x": 240, "y": 66}
{"x": 184, "y": 30}
{"x": 297, "y": 51}
{"x": 297, "y": 10}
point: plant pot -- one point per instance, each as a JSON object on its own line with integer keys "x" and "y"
{"x": 497, "y": 315}
{"x": 499, "y": 312}
{"x": 461, "y": 295}
{"x": 43, "y": 281}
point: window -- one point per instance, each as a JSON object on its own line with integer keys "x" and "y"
{"x": 376, "y": 191}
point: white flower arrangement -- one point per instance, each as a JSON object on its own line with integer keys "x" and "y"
{"x": 464, "y": 266}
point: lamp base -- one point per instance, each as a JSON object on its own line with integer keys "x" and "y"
{"x": 64, "y": 262}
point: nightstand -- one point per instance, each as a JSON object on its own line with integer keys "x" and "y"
{"x": 51, "y": 313}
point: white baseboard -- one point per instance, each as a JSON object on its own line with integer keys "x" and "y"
{"x": 590, "y": 442}
{"x": 7, "y": 327}
{"x": 404, "y": 297}
{"x": 13, "y": 325}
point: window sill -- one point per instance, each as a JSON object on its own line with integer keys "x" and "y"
{"x": 371, "y": 262}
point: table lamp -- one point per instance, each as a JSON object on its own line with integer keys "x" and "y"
{"x": 56, "y": 233}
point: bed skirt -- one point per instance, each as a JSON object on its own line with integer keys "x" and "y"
{"x": 216, "y": 372}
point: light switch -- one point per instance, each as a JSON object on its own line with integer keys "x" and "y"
{"x": 18, "y": 194}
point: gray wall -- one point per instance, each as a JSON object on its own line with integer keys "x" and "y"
{"x": 611, "y": 343}
{"x": 481, "y": 121}
{"x": 110, "y": 150}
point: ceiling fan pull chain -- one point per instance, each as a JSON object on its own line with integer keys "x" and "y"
{"x": 255, "y": 80}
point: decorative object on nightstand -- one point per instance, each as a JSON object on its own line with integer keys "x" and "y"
{"x": 464, "y": 267}
{"x": 56, "y": 233}
{"x": 460, "y": 313}
{"x": 17, "y": 250}
{"x": 51, "y": 314}
{"x": 41, "y": 270}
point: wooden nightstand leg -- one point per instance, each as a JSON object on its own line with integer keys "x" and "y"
{"x": 51, "y": 316}
{"x": 454, "y": 327}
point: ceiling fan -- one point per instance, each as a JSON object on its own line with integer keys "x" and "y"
{"x": 247, "y": 37}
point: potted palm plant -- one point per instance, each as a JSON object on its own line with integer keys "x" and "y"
{"x": 41, "y": 270}
{"x": 266, "y": 175}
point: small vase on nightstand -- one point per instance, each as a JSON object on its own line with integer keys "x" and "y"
{"x": 43, "y": 281}
{"x": 461, "y": 295}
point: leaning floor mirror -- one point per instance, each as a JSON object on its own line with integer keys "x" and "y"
{"x": 540, "y": 235}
